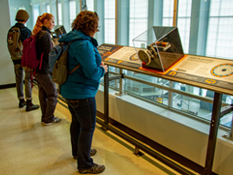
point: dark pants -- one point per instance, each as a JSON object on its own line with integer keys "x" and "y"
{"x": 19, "y": 82}
{"x": 47, "y": 96}
{"x": 81, "y": 129}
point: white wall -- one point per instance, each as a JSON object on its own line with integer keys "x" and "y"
{"x": 15, "y": 5}
{"x": 183, "y": 135}
{"x": 6, "y": 67}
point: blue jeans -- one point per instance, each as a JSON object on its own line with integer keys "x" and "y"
{"x": 47, "y": 96}
{"x": 81, "y": 129}
{"x": 19, "y": 82}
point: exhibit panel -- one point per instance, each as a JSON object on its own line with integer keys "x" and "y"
{"x": 214, "y": 71}
{"x": 209, "y": 73}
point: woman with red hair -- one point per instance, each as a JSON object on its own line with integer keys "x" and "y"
{"x": 47, "y": 88}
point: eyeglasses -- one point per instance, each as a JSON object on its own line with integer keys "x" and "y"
{"x": 98, "y": 28}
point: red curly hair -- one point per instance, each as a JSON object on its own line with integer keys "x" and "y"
{"x": 86, "y": 22}
{"x": 40, "y": 22}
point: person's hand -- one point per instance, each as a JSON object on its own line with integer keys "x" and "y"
{"x": 105, "y": 68}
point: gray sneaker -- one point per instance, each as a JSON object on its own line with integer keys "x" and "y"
{"x": 54, "y": 121}
{"x": 96, "y": 169}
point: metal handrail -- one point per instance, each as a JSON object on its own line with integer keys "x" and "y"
{"x": 170, "y": 90}
{"x": 206, "y": 99}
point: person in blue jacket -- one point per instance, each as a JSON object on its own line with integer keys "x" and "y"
{"x": 81, "y": 86}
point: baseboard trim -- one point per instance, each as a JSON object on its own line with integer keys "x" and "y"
{"x": 6, "y": 86}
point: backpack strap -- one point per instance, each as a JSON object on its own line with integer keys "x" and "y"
{"x": 74, "y": 69}
{"x": 19, "y": 31}
{"x": 77, "y": 65}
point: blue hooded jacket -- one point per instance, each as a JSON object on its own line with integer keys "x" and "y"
{"x": 84, "y": 82}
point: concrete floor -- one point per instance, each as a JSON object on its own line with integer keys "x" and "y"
{"x": 28, "y": 148}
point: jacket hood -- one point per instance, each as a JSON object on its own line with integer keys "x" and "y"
{"x": 74, "y": 35}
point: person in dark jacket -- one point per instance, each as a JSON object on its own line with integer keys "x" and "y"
{"x": 47, "y": 88}
{"x": 81, "y": 86}
{"x": 21, "y": 17}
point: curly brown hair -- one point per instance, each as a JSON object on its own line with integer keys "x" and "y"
{"x": 86, "y": 22}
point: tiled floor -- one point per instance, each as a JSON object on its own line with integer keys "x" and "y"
{"x": 28, "y": 148}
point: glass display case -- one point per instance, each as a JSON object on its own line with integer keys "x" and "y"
{"x": 160, "y": 47}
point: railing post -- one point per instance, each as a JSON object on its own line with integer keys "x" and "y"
{"x": 231, "y": 134}
{"x": 106, "y": 97}
{"x": 214, "y": 123}
{"x": 121, "y": 87}
{"x": 170, "y": 100}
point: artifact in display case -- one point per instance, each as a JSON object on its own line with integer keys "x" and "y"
{"x": 163, "y": 49}
{"x": 59, "y": 30}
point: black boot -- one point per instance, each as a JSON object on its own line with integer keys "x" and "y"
{"x": 22, "y": 103}
{"x": 31, "y": 106}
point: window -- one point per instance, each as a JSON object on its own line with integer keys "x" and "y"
{"x": 109, "y": 21}
{"x": 220, "y": 33}
{"x": 138, "y": 18}
{"x": 168, "y": 6}
{"x": 59, "y": 14}
{"x": 48, "y": 8}
{"x": 90, "y": 5}
{"x": 36, "y": 12}
{"x": 184, "y": 17}
{"x": 72, "y": 7}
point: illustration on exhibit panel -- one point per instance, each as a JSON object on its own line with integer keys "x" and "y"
{"x": 122, "y": 55}
{"x": 212, "y": 71}
{"x": 222, "y": 70}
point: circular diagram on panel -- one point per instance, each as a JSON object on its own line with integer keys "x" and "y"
{"x": 222, "y": 70}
